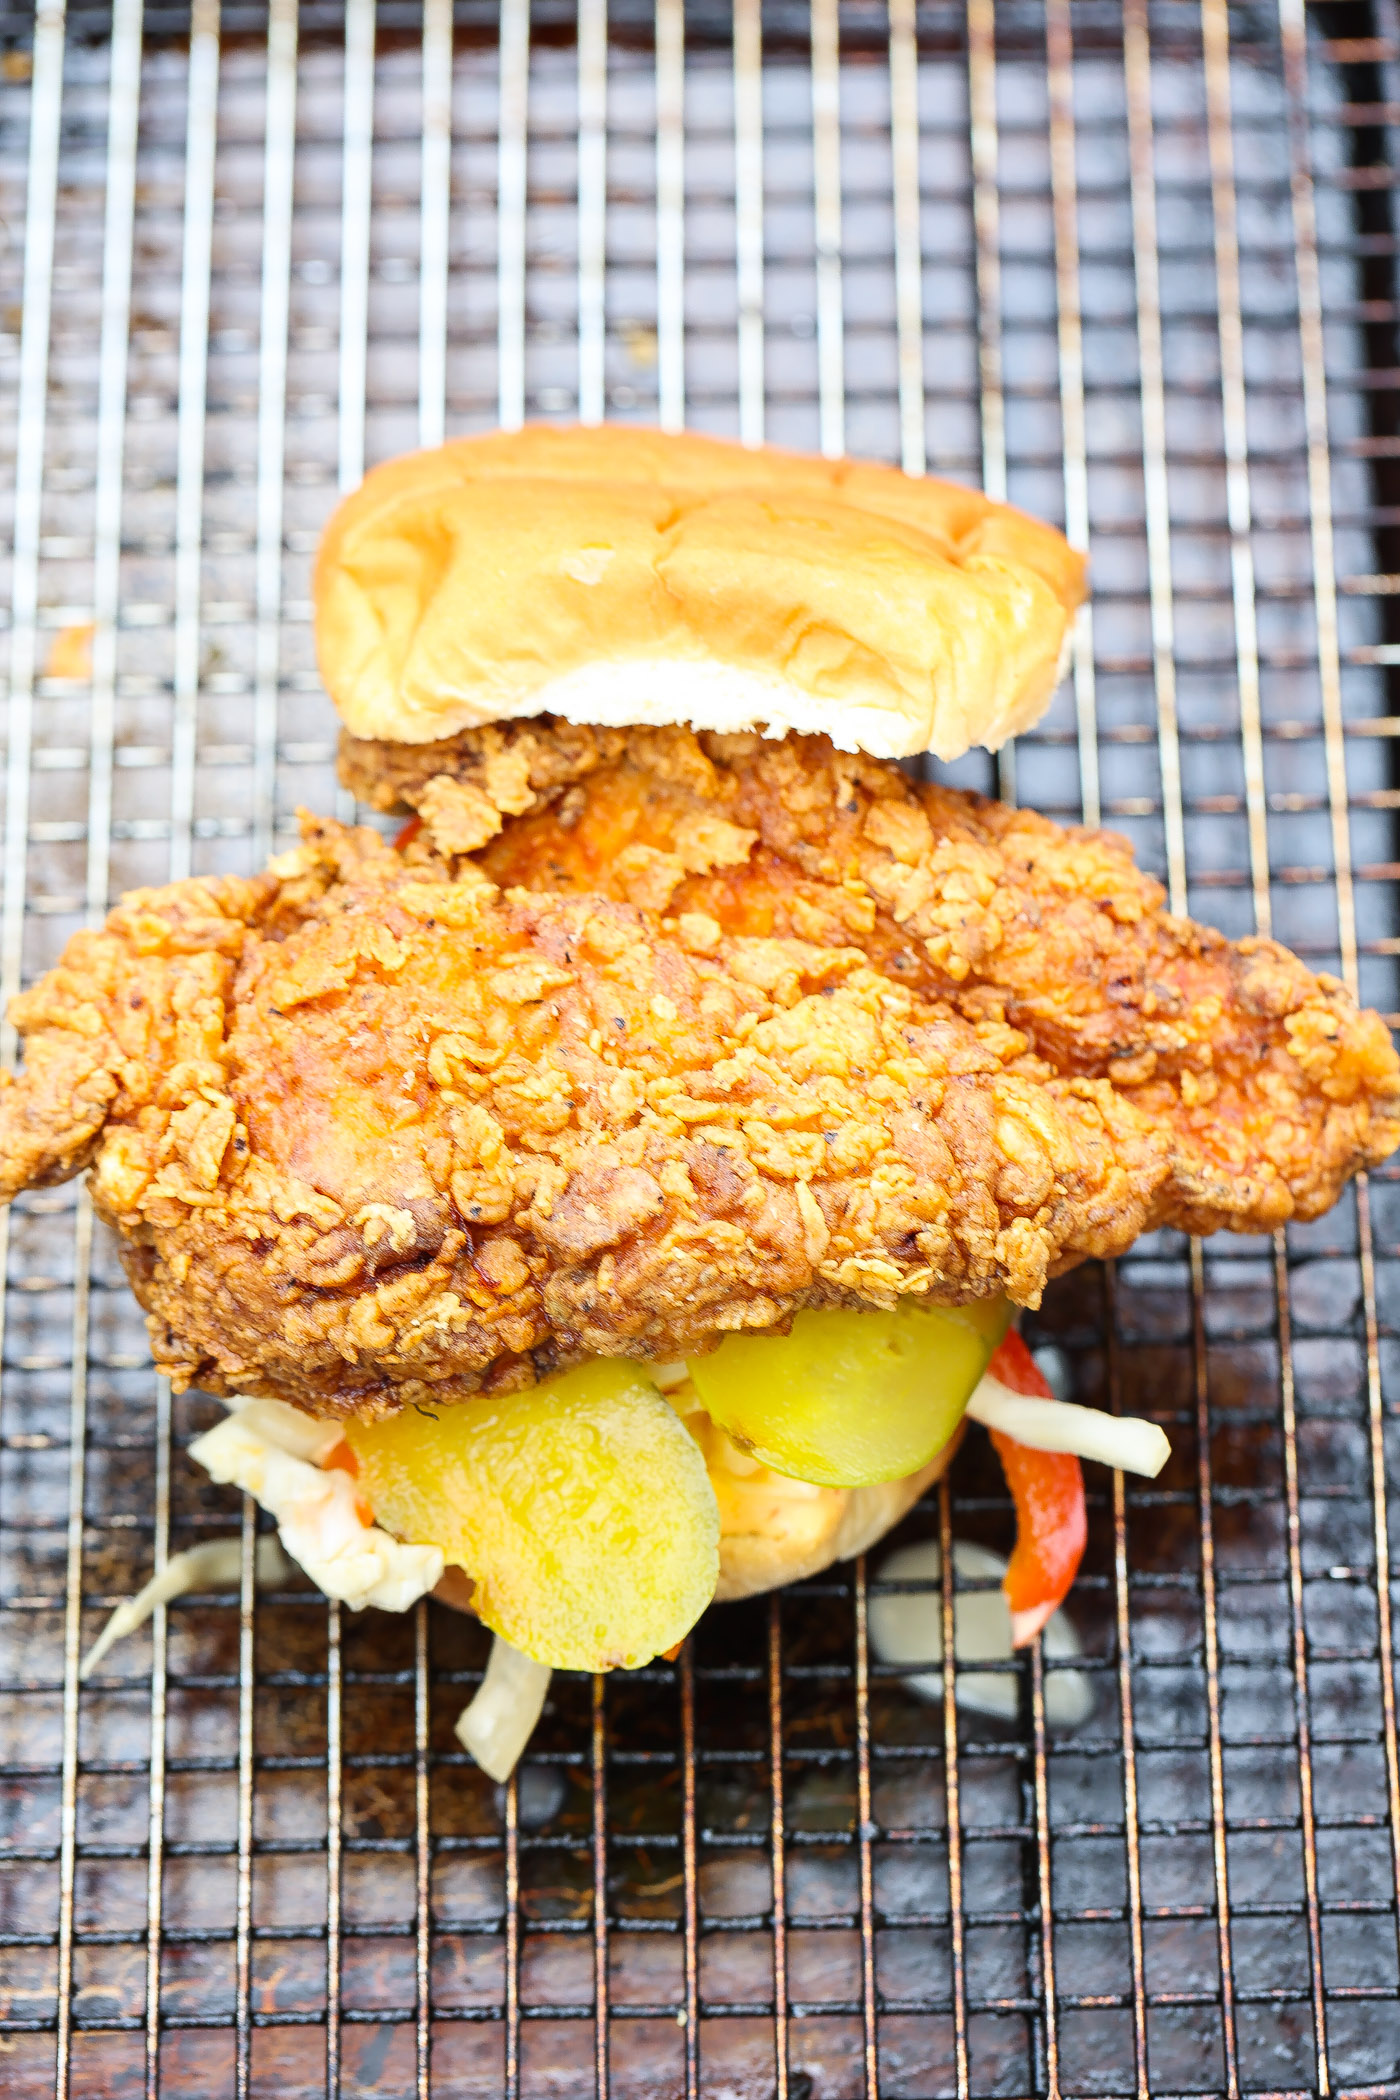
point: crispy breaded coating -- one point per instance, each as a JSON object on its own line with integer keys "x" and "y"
{"x": 704, "y": 1035}
{"x": 1267, "y": 1085}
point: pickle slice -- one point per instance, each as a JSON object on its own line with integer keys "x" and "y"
{"x": 581, "y": 1509}
{"x": 850, "y": 1398}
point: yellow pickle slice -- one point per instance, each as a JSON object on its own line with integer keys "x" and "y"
{"x": 581, "y": 1508}
{"x": 850, "y": 1398}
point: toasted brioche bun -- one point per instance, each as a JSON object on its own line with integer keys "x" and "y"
{"x": 785, "y": 1536}
{"x": 629, "y": 577}
{"x": 753, "y": 1561}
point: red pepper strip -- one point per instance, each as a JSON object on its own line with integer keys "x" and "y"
{"x": 408, "y": 834}
{"x": 1047, "y": 1488}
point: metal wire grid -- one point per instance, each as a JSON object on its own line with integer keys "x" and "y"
{"x": 1134, "y": 267}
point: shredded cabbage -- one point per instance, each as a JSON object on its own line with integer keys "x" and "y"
{"x": 501, "y": 1718}
{"x": 216, "y": 1565}
{"x": 1124, "y": 1441}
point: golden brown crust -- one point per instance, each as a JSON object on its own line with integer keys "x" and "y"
{"x": 517, "y": 767}
{"x": 1258, "y": 1077}
{"x": 719, "y": 1031}
{"x": 625, "y": 575}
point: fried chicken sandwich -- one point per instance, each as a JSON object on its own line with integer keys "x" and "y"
{"x": 614, "y": 1192}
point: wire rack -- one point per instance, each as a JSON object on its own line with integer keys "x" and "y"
{"x": 1132, "y": 265}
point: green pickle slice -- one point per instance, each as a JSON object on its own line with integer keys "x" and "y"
{"x": 581, "y": 1508}
{"x": 850, "y": 1398}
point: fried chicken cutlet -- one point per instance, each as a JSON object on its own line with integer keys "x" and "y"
{"x": 1235, "y": 1053}
{"x": 644, "y": 1037}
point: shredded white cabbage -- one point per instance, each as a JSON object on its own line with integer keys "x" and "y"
{"x": 907, "y": 1629}
{"x": 319, "y": 1523}
{"x": 216, "y": 1565}
{"x": 1124, "y": 1441}
{"x": 287, "y": 1427}
{"x": 501, "y": 1718}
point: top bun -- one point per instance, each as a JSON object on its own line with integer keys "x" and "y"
{"x": 624, "y": 576}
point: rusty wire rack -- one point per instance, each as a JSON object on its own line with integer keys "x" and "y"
{"x": 1133, "y": 265}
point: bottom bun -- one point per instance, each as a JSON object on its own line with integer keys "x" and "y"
{"x": 789, "y": 1531}
{"x": 752, "y": 1561}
